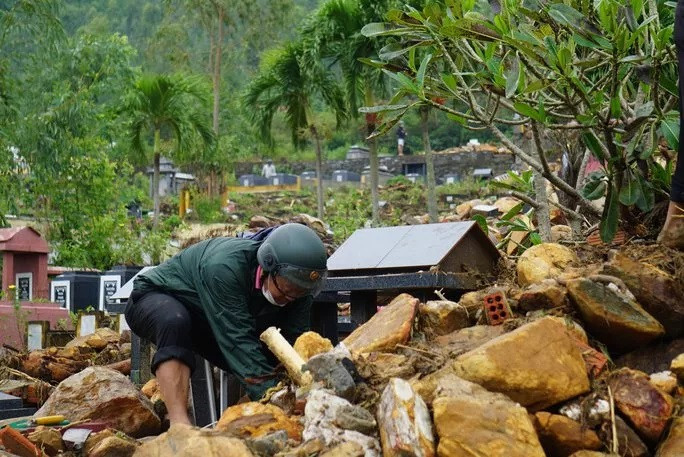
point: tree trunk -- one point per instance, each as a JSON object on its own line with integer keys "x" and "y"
{"x": 430, "y": 165}
{"x": 319, "y": 174}
{"x": 543, "y": 217}
{"x": 155, "y": 178}
{"x": 373, "y": 153}
{"x": 217, "y": 93}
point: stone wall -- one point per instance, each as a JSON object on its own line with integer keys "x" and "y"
{"x": 461, "y": 163}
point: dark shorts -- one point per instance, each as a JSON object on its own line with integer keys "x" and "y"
{"x": 177, "y": 332}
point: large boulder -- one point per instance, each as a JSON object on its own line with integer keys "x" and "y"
{"x": 389, "y": 327}
{"x": 547, "y": 294}
{"x": 661, "y": 295}
{"x": 645, "y": 407}
{"x": 612, "y": 316}
{"x": 561, "y": 436}
{"x": 472, "y": 422}
{"x": 543, "y": 261}
{"x": 254, "y": 419}
{"x": 673, "y": 445}
{"x": 439, "y": 317}
{"x": 187, "y": 441}
{"x": 404, "y": 422}
{"x": 467, "y": 339}
{"x": 537, "y": 365}
{"x": 105, "y": 395}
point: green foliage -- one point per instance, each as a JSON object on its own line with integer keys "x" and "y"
{"x": 207, "y": 209}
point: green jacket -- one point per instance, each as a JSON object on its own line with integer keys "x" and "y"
{"x": 217, "y": 277}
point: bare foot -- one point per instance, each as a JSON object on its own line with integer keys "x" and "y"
{"x": 672, "y": 234}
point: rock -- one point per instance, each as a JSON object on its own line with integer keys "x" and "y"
{"x": 254, "y": 419}
{"x": 48, "y": 439}
{"x": 505, "y": 204}
{"x": 677, "y": 367}
{"x": 105, "y": 395}
{"x": 612, "y": 316}
{"x": 659, "y": 293}
{"x": 629, "y": 443}
{"x": 592, "y": 410}
{"x": 653, "y": 358}
{"x": 467, "y": 339}
{"x": 543, "y": 261}
{"x": 547, "y": 294}
{"x": 537, "y": 365}
{"x": 473, "y": 301}
{"x": 328, "y": 369}
{"x": 98, "y": 340}
{"x": 344, "y": 450}
{"x": 310, "y": 344}
{"x": 484, "y": 210}
{"x": 439, "y": 317}
{"x": 404, "y": 422}
{"x": 56, "y": 364}
{"x": 378, "y": 367}
{"x": 592, "y": 454}
{"x": 108, "y": 443}
{"x": 645, "y": 407}
{"x": 445, "y": 383}
{"x": 480, "y": 423}
{"x": 560, "y": 232}
{"x": 150, "y": 388}
{"x": 561, "y": 436}
{"x": 186, "y": 441}
{"x": 673, "y": 445}
{"x": 306, "y": 449}
{"x": 389, "y": 327}
{"x": 268, "y": 445}
{"x": 664, "y": 380}
{"x": 324, "y": 415}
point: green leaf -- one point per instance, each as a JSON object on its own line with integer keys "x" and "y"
{"x": 646, "y": 197}
{"x": 609, "y": 219}
{"x": 615, "y": 107}
{"x": 482, "y": 222}
{"x": 594, "y": 189}
{"x": 404, "y": 81}
{"x": 669, "y": 128}
{"x": 456, "y": 118}
{"x": 383, "y": 28}
{"x": 535, "y": 238}
{"x": 629, "y": 193}
{"x": 527, "y": 110}
{"x": 512, "y": 78}
{"x": 420, "y": 76}
{"x": 393, "y": 50}
{"x": 513, "y": 212}
{"x": 450, "y": 82}
{"x": 592, "y": 142}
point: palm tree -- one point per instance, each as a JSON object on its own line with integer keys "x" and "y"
{"x": 165, "y": 102}
{"x": 283, "y": 83}
{"x": 334, "y": 34}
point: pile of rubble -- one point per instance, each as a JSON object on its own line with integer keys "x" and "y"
{"x": 568, "y": 359}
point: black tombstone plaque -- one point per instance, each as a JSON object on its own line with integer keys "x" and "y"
{"x": 24, "y": 287}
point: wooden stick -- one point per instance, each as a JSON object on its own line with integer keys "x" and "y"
{"x": 290, "y": 359}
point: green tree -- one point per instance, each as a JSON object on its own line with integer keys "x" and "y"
{"x": 284, "y": 83}
{"x": 164, "y": 103}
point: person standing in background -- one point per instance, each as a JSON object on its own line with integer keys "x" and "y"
{"x": 401, "y": 138}
{"x": 268, "y": 169}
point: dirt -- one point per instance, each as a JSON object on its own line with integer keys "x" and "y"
{"x": 668, "y": 260}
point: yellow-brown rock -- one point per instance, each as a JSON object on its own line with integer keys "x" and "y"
{"x": 404, "y": 422}
{"x": 592, "y": 454}
{"x": 378, "y": 367}
{"x": 439, "y": 317}
{"x": 612, "y": 316}
{"x": 547, "y": 294}
{"x": 445, "y": 383}
{"x": 253, "y": 420}
{"x": 108, "y": 443}
{"x": 150, "y": 388}
{"x": 99, "y": 393}
{"x": 389, "y": 327}
{"x": 310, "y": 344}
{"x": 350, "y": 449}
{"x": 561, "y": 436}
{"x": 560, "y": 232}
{"x": 537, "y": 365}
{"x": 673, "y": 445}
{"x": 666, "y": 381}
{"x": 483, "y": 424}
{"x": 98, "y": 340}
{"x": 467, "y": 339}
{"x": 677, "y": 367}
{"x": 505, "y": 204}
{"x": 543, "y": 261}
{"x": 645, "y": 407}
{"x": 187, "y": 441}
{"x": 48, "y": 439}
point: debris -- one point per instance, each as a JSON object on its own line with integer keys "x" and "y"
{"x": 268, "y": 445}
{"x": 310, "y": 344}
{"x": 389, "y": 327}
{"x": 666, "y": 381}
{"x": 328, "y": 369}
{"x": 467, "y": 339}
{"x": 547, "y": 294}
{"x": 344, "y": 450}
{"x": 404, "y": 422}
{"x": 537, "y": 365}
{"x": 290, "y": 359}
{"x": 561, "y": 436}
{"x": 543, "y": 261}
{"x": 673, "y": 445}
{"x": 629, "y": 443}
{"x": 254, "y": 420}
{"x": 105, "y": 395}
{"x": 439, "y": 317}
{"x": 496, "y": 308}
{"x": 110, "y": 443}
{"x": 18, "y": 444}
{"x": 48, "y": 439}
{"x": 677, "y": 367}
{"x": 612, "y": 316}
{"x": 643, "y": 405}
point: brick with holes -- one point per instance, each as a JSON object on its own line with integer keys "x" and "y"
{"x": 496, "y": 308}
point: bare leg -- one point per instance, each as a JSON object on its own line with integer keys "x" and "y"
{"x": 173, "y": 377}
{"x": 400, "y": 149}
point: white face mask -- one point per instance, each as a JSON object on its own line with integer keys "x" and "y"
{"x": 268, "y": 296}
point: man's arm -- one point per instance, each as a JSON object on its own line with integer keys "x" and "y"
{"x": 227, "y": 310}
